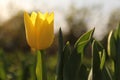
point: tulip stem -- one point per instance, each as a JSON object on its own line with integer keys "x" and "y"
{"x": 41, "y": 73}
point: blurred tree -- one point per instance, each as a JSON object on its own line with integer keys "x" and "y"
{"x": 12, "y": 34}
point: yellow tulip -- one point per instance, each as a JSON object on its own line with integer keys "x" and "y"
{"x": 39, "y": 29}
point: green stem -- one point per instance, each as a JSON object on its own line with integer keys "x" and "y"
{"x": 41, "y": 66}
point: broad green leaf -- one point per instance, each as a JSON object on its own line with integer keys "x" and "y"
{"x": 83, "y": 41}
{"x": 111, "y": 45}
{"x": 72, "y": 66}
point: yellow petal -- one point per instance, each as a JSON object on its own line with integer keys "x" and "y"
{"x": 45, "y": 35}
{"x": 29, "y": 28}
{"x": 50, "y": 18}
{"x": 43, "y": 16}
{"x": 38, "y": 25}
{"x": 33, "y": 17}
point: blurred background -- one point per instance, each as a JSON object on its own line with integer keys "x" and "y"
{"x": 75, "y": 17}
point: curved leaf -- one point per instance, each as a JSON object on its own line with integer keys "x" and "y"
{"x": 83, "y": 41}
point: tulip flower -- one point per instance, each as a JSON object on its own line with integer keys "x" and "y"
{"x": 39, "y": 29}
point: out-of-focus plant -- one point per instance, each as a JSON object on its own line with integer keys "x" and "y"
{"x": 99, "y": 70}
{"x": 70, "y": 66}
{"x": 114, "y": 50}
{"x": 3, "y": 70}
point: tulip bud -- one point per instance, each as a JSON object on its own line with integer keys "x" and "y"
{"x": 39, "y": 29}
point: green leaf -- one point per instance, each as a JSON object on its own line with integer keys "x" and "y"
{"x": 96, "y": 49}
{"x": 117, "y": 60}
{"x": 102, "y": 59}
{"x": 32, "y": 72}
{"x": 72, "y": 66}
{"x": 60, "y": 57}
{"x": 106, "y": 75}
{"x": 2, "y": 66}
{"x": 83, "y": 41}
{"x": 111, "y": 45}
{"x": 82, "y": 73}
{"x": 2, "y": 72}
{"x": 115, "y": 51}
{"x": 100, "y": 71}
{"x": 60, "y": 40}
{"x": 117, "y": 32}
{"x": 66, "y": 52}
